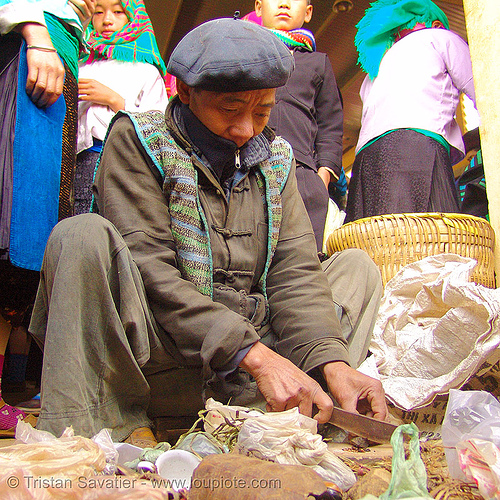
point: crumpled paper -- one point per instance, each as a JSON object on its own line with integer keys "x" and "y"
{"x": 434, "y": 330}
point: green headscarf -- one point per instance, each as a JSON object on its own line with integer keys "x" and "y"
{"x": 383, "y": 20}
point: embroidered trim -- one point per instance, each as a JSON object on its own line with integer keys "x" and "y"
{"x": 180, "y": 185}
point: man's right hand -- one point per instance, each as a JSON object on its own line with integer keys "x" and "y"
{"x": 355, "y": 391}
{"x": 285, "y": 386}
{"x": 45, "y": 70}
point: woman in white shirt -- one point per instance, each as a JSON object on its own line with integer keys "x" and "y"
{"x": 124, "y": 71}
{"x": 409, "y": 138}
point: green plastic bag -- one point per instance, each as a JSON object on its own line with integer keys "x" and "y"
{"x": 409, "y": 477}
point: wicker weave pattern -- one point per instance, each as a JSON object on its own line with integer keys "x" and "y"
{"x": 395, "y": 240}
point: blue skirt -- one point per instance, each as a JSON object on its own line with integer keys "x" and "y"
{"x": 32, "y": 149}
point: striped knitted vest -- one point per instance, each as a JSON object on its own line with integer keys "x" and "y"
{"x": 180, "y": 185}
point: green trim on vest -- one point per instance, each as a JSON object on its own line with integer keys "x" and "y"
{"x": 180, "y": 186}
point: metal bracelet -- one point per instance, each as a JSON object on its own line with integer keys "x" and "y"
{"x": 41, "y": 47}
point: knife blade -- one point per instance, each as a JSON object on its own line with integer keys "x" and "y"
{"x": 361, "y": 425}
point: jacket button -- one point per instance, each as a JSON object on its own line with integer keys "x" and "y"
{"x": 230, "y": 278}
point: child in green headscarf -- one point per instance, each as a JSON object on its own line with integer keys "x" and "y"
{"x": 123, "y": 71}
{"x": 409, "y": 139}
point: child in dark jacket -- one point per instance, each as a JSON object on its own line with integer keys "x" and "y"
{"x": 308, "y": 111}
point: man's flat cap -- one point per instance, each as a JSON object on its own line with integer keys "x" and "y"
{"x": 230, "y": 55}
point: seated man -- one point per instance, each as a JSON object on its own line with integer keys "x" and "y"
{"x": 203, "y": 258}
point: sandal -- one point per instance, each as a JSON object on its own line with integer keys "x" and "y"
{"x": 9, "y": 417}
{"x": 31, "y": 406}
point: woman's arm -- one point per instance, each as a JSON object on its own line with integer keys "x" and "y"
{"x": 45, "y": 69}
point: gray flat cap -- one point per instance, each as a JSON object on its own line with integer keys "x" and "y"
{"x": 231, "y": 55}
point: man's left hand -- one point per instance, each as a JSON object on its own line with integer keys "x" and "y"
{"x": 355, "y": 391}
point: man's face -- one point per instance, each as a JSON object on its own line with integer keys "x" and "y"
{"x": 236, "y": 116}
{"x": 283, "y": 14}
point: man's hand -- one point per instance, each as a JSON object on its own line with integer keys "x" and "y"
{"x": 355, "y": 391}
{"x": 84, "y": 9}
{"x": 285, "y": 386}
{"x": 94, "y": 91}
{"x": 45, "y": 70}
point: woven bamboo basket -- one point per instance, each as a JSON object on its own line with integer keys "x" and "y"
{"x": 395, "y": 240}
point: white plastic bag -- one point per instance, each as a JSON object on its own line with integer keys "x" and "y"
{"x": 480, "y": 462}
{"x": 28, "y": 468}
{"x": 434, "y": 329}
{"x": 471, "y": 438}
{"x": 291, "y": 438}
{"x": 27, "y": 434}
{"x": 219, "y": 415}
{"x": 334, "y": 219}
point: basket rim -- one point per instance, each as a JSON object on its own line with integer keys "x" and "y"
{"x": 426, "y": 234}
{"x": 415, "y": 215}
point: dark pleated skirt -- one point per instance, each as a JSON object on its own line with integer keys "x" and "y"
{"x": 68, "y": 156}
{"x": 9, "y": 64}
{"x": 402, "y": 172}
{"x": 86, "y": 162}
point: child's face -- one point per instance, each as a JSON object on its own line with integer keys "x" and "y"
{"x": 109, "y": 17}
{"x": 283, "y": 14}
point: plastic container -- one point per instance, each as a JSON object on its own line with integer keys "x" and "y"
{"x": 177, "y": 467}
